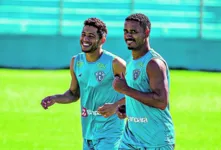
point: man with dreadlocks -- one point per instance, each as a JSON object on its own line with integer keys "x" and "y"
{"x": 146, "y": 88}
{"x": 92, "y": 73}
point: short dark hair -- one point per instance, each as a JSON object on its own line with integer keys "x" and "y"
{"x": 141, "y": 18}
{"x": 97, "y": 23}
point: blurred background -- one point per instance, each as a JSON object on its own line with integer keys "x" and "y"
{"x": 39, "y": 37}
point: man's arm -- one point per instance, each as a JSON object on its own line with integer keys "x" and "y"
{"x": 158, "y": 98}
{"x": 119, "y": 67}
{"x": 71, "y": 95}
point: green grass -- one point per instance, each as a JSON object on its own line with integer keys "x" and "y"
{"x": 24, "y": 125}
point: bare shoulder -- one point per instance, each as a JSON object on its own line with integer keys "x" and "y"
{"x": 119, "y": 61}
{"x": 156, "y": 66}
{"x": 72, "y": 65}
{"x": 119, "y": 66}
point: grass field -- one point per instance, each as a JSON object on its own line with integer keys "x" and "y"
{"x": 24, "y": 125}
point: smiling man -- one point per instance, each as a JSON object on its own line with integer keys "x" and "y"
{"x": 92, "y": 73}
{"x": 146, "y": 86}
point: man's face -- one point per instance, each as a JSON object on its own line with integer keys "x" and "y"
{"x": 134, "y": 35}
{"x": 89, "y": 39}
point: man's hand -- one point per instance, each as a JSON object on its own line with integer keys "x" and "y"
{"x": 107, "y": 109}
{"x": 121, "y": 112}
{"x": 46, "y": 102}
{"x": 120, "y": 84}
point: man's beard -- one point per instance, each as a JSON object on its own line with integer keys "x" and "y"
{"x": 93, "y": 48}
{"x": 130, "y": 48}
{"x": 136, "y": 48}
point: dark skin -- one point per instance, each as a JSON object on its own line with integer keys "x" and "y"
{"x": 71, "y": 95}
{"x": 156, "y": 70}
{"x": 91, "y": 44}
{"x": 90, "y": 36}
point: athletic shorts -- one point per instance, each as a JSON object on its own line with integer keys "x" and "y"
{"x": 125, "y": 146}
{"x": 102, "y": 144}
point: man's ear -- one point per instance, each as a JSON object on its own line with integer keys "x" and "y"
{"x": 103, "y": 40}
{"x": 147, "y": 32}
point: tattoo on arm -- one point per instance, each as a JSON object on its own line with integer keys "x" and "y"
{"x": 68, "y": 97}
{"x": 75, "y": 94}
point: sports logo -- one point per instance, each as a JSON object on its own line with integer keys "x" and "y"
{"x": 101, "y": 66}
{"x": 140, "y": 64}
{"x": 99, "y": 75}
{"x": 136, "y": 74}
{"x": 80, "y": 64}
{"x": 138, "y": 120}
{"x": 84, "y": 112}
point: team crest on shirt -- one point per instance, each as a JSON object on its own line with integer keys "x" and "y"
{"x": 136, "y": 74}
{"x": 99, "y": 75}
